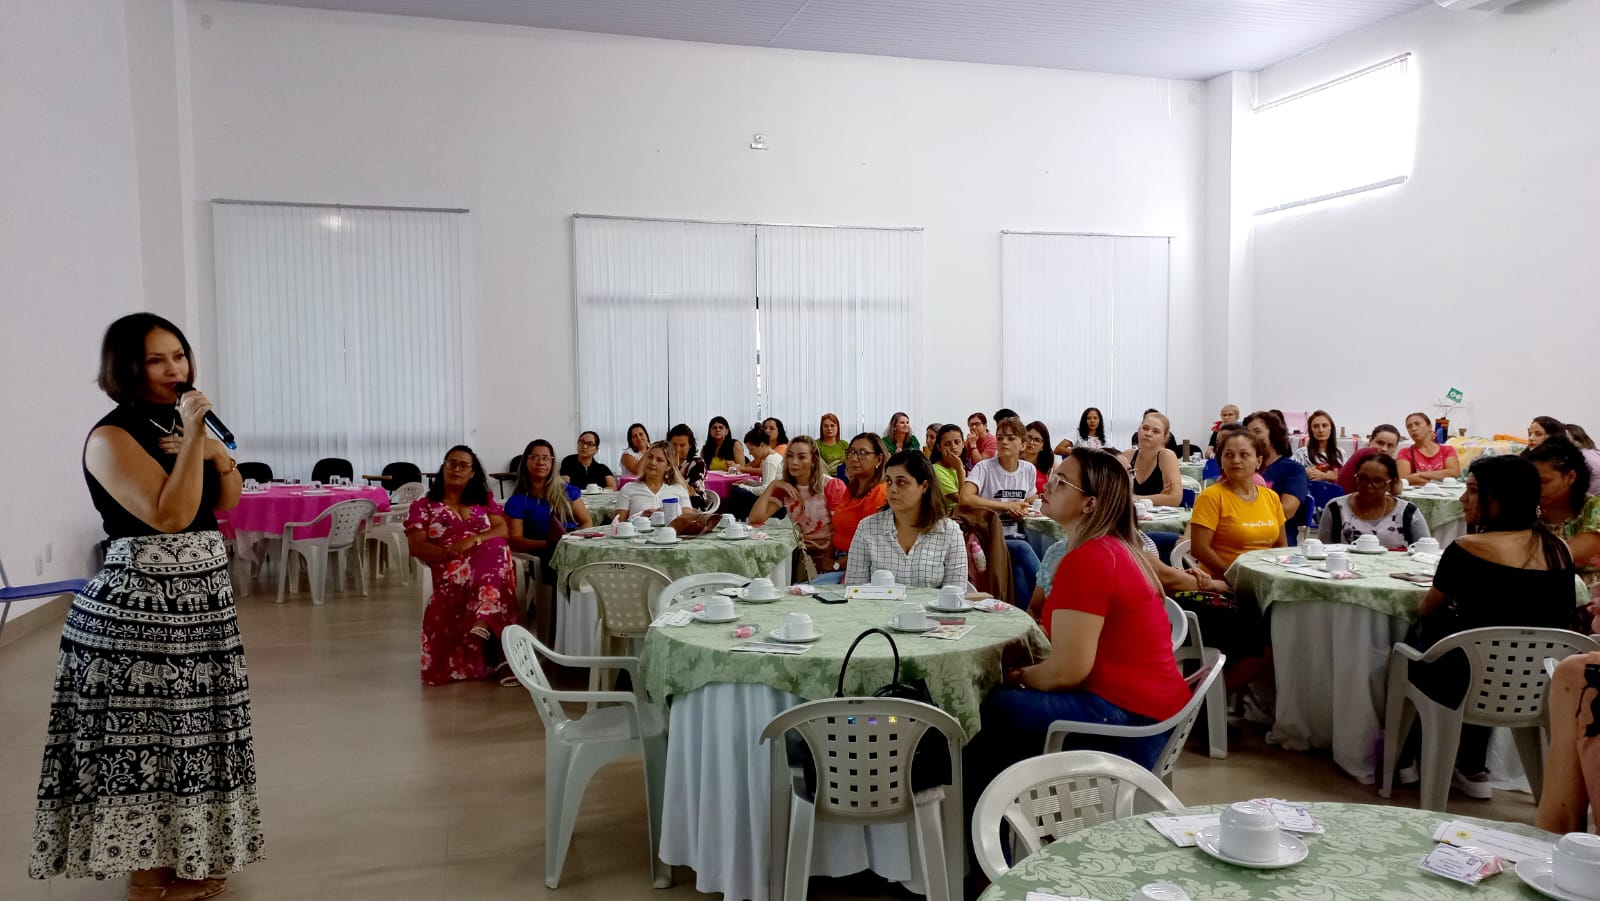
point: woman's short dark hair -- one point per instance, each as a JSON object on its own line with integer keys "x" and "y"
{"x": 476, "y": 492}
{"x": 1006, "y": 413}
{"x": 682, "y": 430}
{"x": 919, "y": 469}
{"x": 1277, "y": 432}
{"x": 1380, "y": 429}
{"x": 593, "y": 434}
{"x": 783, "y": 434}
{"x": 1508, "y": 501}
{"x": 1083, "y": 424}
{"x": 1564, "y": 457}
{"x": 1426, "y": 420}
{"x": 876, "y": 441}
{"x": 1387, "y": 462}
{"x": 1233, "y": 430}
{"x": 122, "y": 375}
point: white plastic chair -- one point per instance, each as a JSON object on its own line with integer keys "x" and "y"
{"x": 1180, "y": 555}
{"x": 348, "y": 521}
{"x": 1177, "y": 727}
{"x": 1179, "y": 621}
{"x": 1194, "y": 648}
{"x": 623, "y": 595}
{"x": 713, "y": 501}
{"x": 388, "y": 531}
{"x": 575, "y": 749}
{"x": 863, "y": 751}
{"x": 1508, "y": 686}
{"x": 689, "y": 589}
{"x": 1047, "y": 798}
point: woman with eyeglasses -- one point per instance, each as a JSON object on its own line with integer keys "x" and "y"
{"x": 582, "y": 469}
{"x": 911, "y": 536}
{"x": 1373, "y": 509}
{"x": 1036, "y": 448}
{"x": 1385, "y": 439}
{"x": 658, "y": 480}
{"x": 1110, "y": 658}
{"x": 541, "y": 509}
{"x": 722, "y": 451}
{"x": 459, "y": 531}
{"x": 864, "y": 495}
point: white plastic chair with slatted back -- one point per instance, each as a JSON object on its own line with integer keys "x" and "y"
{"x": 388, "y": 531}
{"x": 691, "y": 589}
{"x": 1216, "y": 703}
{"x": 1047, "y": 798}
{"x": 347, "y": 522}
{"x": 575, "y": 749}
{"x": 863, "y": 751}
{"x": 1507, "y": 686}
{"x": 623, "y": 593}
{"x": 1178, "y": 621}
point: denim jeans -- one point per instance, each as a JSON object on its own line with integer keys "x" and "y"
{"x": 1024, "y": 569}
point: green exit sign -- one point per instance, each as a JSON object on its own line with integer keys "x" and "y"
{"x": 1454, "y": 395}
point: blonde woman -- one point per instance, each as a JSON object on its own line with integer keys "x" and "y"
{"x": 1110, "y": 655}
{"x": 658, "y": 480}
{"x": 810, "y": 495}
{"x": 1156, "y": 476}
{"x": 542, "y": 507}
{"x": 830, "y": 445}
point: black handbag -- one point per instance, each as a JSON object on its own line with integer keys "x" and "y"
{"x": 931, "y": 762}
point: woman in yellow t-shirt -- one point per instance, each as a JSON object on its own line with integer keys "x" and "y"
{"x": 1234, "y": 515}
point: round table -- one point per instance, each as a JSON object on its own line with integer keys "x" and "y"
{"x": 1443, "y": 512}
{"x": 718, "y": 779}
{"x": 717, "y": 482}
{"x": 756, "y": 556}
{"x": 1368, "y": 851}
{"x": 1330, "y": 693}
{"x": 1469, "y": 449}
{"x": 602, "y": 505}
{"x": 1196, "y": 471}
{"x": 263, "y": 514}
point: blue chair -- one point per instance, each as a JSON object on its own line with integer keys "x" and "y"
{"x": 1321, "y": 494}
{"x": 1212, "y": 471}
{"x": 11, "y": 593}
{"x": 1188, "y": 498}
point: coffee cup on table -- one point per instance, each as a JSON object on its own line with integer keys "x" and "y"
{"x": 1368, "y": 542}
{"x": 622, "y": 529}
{"x": 592, "y": 488}
{"x": 1450, "y": 481}
{"x": 1575, "y": 866}
{"x": 733, "y": 530}
{"x": 911, "y": 616}
{"x": 1249, "y": 831}
{"x": 1144, "y": 504}
{"x": 951, "y": 597}
{"x": 719, "y": 607}
{"x": 727, "y": 520}
{"x": 641, "y": 522}
{"x": 658, "y": 518}
{"x": 1338, "y": 562}
{"x": 761, "y": 589}
{"x": 665, "y": 535}
{"x": 1425, "y": 546}
{"x": 882, "y": 578}
{"x": 1314, "y": 547}
{"x": 797, "y": 626}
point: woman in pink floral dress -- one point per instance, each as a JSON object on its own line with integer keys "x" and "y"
{"x": 459, "y": 530}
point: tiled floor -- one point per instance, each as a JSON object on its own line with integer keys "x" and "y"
{"x": 376, "y": 787}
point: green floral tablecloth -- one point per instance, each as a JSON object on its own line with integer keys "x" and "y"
{"x": 602, "y": 505}
{"x": 1369, "y": 852}
{"x": 749, "y": 557}
{"x": 680, "y": 659}
{"x": 1256, "y": 575}
{"x": 1194, "y": 471}
{"x": 1174, "y": 523}
{"x": 1438, "y": 510}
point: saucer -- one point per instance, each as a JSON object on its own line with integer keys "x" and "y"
{"x": 1536, "y": 872}
{"x": 928, "y": 626}
{"x": 935, "y": 608}
{"x": 1321, "y": 556}
{"x": 777, "y": 635}
{"x": 675, "y": 540}
{"x": 727, "y": 537}
{"x": 1380, "y": 549}
{"x": 1290, "y": 851}
{"x": 744, "y": 595}
{"x": 702, "y": 617}
{"x": 1324, "y": 568}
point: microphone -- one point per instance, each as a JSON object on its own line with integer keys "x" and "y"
{"x": 212, "y": 422}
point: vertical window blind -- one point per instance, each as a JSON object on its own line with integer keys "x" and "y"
{"x": 1085, "y": 325}
{"x": 340, "y": 331}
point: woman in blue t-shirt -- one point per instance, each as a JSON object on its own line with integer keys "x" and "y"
{"x": 1282, "y": 473}
{"x": 542, "y": 507}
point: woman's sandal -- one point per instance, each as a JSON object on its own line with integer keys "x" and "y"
{"x": 169, "y": 889}
{"x": 507, "y": 677}
{"x": 481, "y": 632}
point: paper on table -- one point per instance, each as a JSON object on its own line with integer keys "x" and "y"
{"x": 991, "y": 605}
{"x": 1293, "y": 817}
{"x": 1046, "y": 896}
{"x": 1492, "y": 841}
{"x": 770, "y": 647}
{"x": 1455, "y": 863}
{"x": 673, "y": 618}
{"x": 875, "y": 593}
{"x": 953, "y": 633}
{"x": 1181, "y": 831}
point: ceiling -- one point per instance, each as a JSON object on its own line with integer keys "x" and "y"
{"x": 1188, "y": 39}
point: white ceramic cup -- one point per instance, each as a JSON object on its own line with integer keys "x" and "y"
{"x": 911, "y": 616}
{"x": 316, "y": 486}
{"x": 1576, "y": 864}
{"x": 1159, "y": 891}
{"x": 798, "y": 625}
{"x": 1249, "y": 832}
{"x": 1450, "y": 480}
{"x": 719, "y": 607}
{"x": 591, "y": 488}
{"x": 658, "y": 518}
{"x": 1338, "y": 562}
{"x": 1368, "y": 543}
{"x": 1313, "y": 547}
{"x": 622, "y": 529}
{"x": 640, "y": 522}
{"x": 761, "y": 589}
{"x": 882, "y": 578}
{"x": 1426, "y": 546}
{"x": 734, "y": 530}
{"x": 951, "y": 597}
{"x": 727, "y": 520}
{"x": 665, "y": 535}
{"x": 1144, "y": 504}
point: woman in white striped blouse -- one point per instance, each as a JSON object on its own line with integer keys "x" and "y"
{"x": 912, "y": 537}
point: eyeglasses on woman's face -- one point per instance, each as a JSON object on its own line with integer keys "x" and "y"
{"x": 458, "y": 465}
{"x": 1059, "y": 481}
{"x": 1032, "y": 439}
{"x": 588, "y": 442}
{"x": 859, "y": 452}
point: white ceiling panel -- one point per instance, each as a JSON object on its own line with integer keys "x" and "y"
{"x": 1189, "y": 39}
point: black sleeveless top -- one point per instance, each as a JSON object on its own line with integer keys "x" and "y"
{"x": 148, "y": 423}
{"x": 1151, "y": 485}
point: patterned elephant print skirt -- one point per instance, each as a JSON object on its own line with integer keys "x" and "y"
{"x": 149, "y": 760}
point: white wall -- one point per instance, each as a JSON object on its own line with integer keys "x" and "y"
{"x": 69, "y": 260}
{"x": 1481, "y": 272}
{"x": 526, "y": 127}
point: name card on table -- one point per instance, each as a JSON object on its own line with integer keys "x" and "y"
{"x": 1496, "y": 842}
{"x": 875, "y": 592}
{"x": 770, "y": 647}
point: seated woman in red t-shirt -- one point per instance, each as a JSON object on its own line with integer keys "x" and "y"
{"x": 1110, "y": 643}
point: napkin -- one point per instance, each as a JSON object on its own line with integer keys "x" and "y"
{"x": 1492, "y": 841}
{"x": 673, "y": 618}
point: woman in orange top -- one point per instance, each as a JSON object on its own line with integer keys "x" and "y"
{"x": 863, "y": 469}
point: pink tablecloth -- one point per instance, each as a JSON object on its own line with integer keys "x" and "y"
{"x": 267, "y": 512}
{"x": 717, "y": 482}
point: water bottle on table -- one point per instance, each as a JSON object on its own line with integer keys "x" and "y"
{"x": 671, "y": 508}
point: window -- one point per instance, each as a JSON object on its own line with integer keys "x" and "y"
{"x": 1085, "y": 325}
{"x": 742, "y": 321}
{"x": 340, "y": 333}
{"x": 1351, "y": 135}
